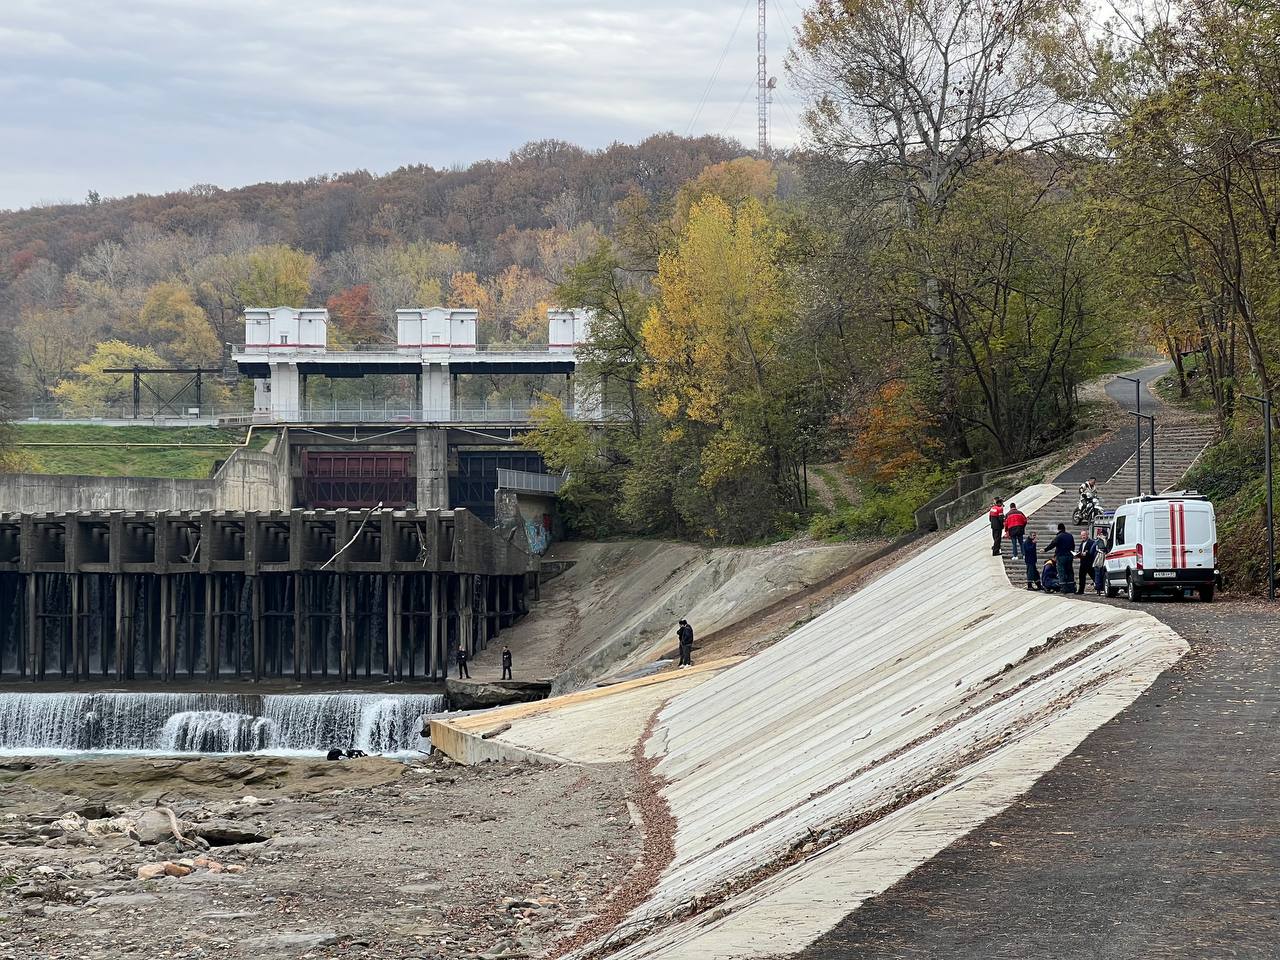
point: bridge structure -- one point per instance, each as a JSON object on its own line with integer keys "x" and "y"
{"x": 285, "y": 346}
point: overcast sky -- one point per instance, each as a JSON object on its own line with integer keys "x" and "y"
{"x": 144, "y": 96}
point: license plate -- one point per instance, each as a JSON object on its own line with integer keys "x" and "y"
{"x": 1165, "y": 574}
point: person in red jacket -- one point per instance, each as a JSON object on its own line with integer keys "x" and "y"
{"x": 996, "y": 516}
{"x": 1015, "y": 525}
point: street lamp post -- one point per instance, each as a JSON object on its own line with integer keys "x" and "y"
{"x": 1137, "y": 411}
{"x": 1265, "y": 402}
{"x": 1151, "y": 448}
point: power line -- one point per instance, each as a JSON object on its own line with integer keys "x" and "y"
{"x": 736, "y": 110}
{"x": 715, "y": 73}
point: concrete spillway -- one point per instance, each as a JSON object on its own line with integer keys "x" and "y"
{"x": 211, "y": 722}
{"x": 819, "y": 772}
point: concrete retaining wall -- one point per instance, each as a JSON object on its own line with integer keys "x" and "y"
{"x": 248, "y": 480}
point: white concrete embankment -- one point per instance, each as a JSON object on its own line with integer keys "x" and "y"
{"x": 881, "y": 731}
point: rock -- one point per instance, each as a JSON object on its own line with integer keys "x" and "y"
{"x": 476, "y": 695}
{"x": 270, "y": 944}
{"x": 176, "y": 869}
{"x": 153, "y": 827}
{"x": 224, "y": 833}
{"x": 91, "y": 868}
{"x": 127, "y": 900}
{"x": 150, "y": 871}
{"x": 234, "y": 868}
{"x": 294, "y": 842}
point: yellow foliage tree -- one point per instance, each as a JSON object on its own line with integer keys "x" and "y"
{"x": 277, "y": 276}
{"x": 714, "y": 330}
{"x": 171, "y": 320}
{"x": 714, "y": 337}
{"x": 733, "y": 181}
{"x": 89, "y": 386}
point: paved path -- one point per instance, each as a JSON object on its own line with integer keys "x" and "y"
{"x": 1157, "y": 837}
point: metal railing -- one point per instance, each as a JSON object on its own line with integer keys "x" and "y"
{"x": 529, "y": 481}
{"x": 428, "y": 349}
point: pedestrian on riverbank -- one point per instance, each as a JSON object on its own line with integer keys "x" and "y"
{"x": 996, "y": 516}
{"x": 684, "y": 633}
{"x": 1029, "y": 556}
{"x": 1088, "y": 556}
{"x": 1100, "y": 565}
{"x": 506, "y": 662}
{"x": 462, "y": 663}
{"x": 1063, "y": 549}
{"x": 1049, "y": 576}
{"x": 1015, "y": 525}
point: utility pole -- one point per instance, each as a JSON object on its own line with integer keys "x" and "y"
{"x": 1265, "y": 403}
{"x": 1137, "y": 411}
{"x": 762, "y": 82}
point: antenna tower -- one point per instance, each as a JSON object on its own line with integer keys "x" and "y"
{"x": 762, "y": 83}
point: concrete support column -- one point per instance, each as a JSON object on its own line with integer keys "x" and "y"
{"x": 437, "y": 395}
{"x": 433, "y": 468}
{"x": 261, "y": 396}
{"x": 286, "y": 392}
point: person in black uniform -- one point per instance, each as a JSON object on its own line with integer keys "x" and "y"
{"x": 685, "y": 635}
{"x": 462, "y": 664}
{"x": 506, "y": 663}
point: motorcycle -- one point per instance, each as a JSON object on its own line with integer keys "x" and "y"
{"x": 1087, "y": 511}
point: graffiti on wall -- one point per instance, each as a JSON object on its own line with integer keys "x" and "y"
{"x": 539, "y": 533}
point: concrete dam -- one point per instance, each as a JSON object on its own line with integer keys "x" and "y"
{"x": 307, "y": 595}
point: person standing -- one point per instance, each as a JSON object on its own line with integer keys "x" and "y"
{"x": 684, "y": 633}
{"x": 1088, "y": 555}
{"x": 996, "y": 516}
{"x": 1063, "y": 549}
{"x": 1100, "y": 565}
{"x": 462, "y": 664}
{"x": 506, "y": 662}
{"x": 1029, "y": 557}
{"x": 1015, "y": 525}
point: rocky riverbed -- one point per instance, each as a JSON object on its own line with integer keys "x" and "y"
{"x": 252, "y": 857}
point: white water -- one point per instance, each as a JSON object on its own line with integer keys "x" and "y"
{"x": 212, "y": 722}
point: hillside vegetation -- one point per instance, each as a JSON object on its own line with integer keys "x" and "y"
{"x": 102, "y": 451}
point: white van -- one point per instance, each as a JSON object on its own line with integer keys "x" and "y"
{"x": 1165, "y": 542}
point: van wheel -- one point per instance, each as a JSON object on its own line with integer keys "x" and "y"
{"x": 1132, "y": 589}
{"x": 1206, "y": 593}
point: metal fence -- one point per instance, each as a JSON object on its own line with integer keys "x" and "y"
{"x": 530, "y": 482}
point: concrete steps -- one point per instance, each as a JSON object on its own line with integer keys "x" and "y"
{"x": 1177, "y": 449}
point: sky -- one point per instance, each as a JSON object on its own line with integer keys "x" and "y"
{"x": 148, "y": 96}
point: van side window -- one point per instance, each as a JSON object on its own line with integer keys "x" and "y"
{"x": 1120, "y": 530}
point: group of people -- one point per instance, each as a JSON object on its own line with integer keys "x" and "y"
{"x": 465, "y": 672}
{"x": 1058, "y": 574}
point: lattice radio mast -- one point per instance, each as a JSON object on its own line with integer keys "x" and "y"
{"x": 762, "y": 82}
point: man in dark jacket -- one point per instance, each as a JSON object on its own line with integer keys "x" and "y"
{"x": 996, "y": 516}
{"x": 1029, "y": 555}
{"x": 1063, "y": 549}
{"x": 1088, "y": 556}
{"x": 1049, "y": 576}
{"x": 506, "y": 663}
{"x": 463, "y": 671}
{"x": 684, "y": 633}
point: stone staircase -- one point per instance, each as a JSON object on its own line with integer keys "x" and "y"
{"x": 1177, "y": 448}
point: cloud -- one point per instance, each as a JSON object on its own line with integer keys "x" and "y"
{"x": 129, "y": 96}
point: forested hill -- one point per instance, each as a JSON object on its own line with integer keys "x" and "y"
{"x": 474, "y": 206}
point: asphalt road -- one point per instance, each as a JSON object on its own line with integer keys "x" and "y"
{"x": 1112, "y": 455}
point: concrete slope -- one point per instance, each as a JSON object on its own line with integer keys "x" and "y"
{"x": 617, "y": 607}
{"x": 823, "y": 769}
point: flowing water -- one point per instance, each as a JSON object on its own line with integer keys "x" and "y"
{"x": 212, "y": 722}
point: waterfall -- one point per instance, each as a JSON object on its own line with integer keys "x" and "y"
{"x": 212, "y": 722}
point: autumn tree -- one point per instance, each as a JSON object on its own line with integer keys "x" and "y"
{"x": 172, "y": 323}
{"x": 353, "y": 314}
{"x": 90, "y": 387}
{"x": 276, "y": 276}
